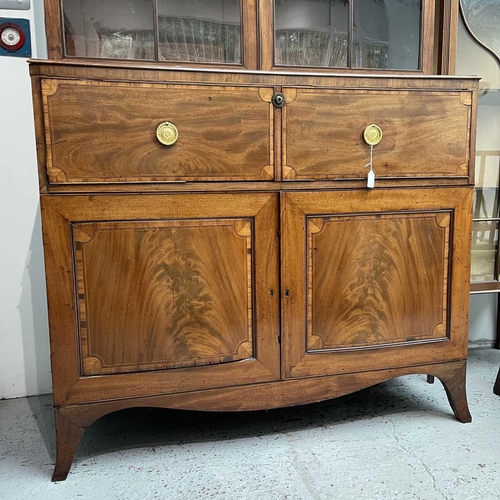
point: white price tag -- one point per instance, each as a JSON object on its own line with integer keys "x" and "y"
{"x": 370, "y": 180}
{"x": 370, "y": 183}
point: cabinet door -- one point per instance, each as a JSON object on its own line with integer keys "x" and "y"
{"x": 395, "y": 35}
{"x": 199, "y": 32}
{"x": 374, "y": 279}
{"x": 168, "y": 293}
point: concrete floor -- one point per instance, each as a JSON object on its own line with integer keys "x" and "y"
{"x": 397, "y": 440}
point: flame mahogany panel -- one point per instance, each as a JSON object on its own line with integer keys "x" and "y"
{"x": 370, "y": 281}
{"x": 168, "y": 293}
{"x": 163, "y": 294}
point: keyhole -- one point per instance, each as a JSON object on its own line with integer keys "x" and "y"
{"x": 278, "y": 100}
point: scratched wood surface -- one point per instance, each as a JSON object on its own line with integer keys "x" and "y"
{"x": 163, "y": 294}
{"x": 425, "y": 134}
{"x": 106, "y": 132}
{"x": 369, "y": 281}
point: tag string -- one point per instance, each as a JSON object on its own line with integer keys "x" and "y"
{"x": 371, "y": 159}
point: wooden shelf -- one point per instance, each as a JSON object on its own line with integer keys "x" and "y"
{"x": 485, "y": 287}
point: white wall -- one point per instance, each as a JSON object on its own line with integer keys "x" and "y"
{"x": 24, "y": 349}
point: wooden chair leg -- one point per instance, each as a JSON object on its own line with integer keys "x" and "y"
{"x": 68, "y": 437}
{"x": 454, "y": 384}
{"x": 496, "y": 387}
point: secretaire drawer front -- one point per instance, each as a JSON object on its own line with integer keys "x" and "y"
{"x": 424, "y": 133}
{"x": 137, "y": 132}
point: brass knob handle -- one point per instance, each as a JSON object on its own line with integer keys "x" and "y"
{"x": 372, "y": 134}
{"x": 167, "y": 133}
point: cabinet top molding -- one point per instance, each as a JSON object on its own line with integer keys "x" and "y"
{"x": 104, "y": 70}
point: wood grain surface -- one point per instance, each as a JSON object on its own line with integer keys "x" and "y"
{"x": 357, "y": 296}
{"x": 370, "y": 280}
{"x": 125, "y": 71}
{"x": 164, "y": 294}
{"x": 71, "y": 420}
{"x": 425, "y": 134}
{"x": 197, "y": 275}
{"x": 106, "y": 132}
{"x": 253, "y": 186}
{"x": 112, "y": 263}
{"x": 447, "y": 53}
{"x": 269, "y": 395}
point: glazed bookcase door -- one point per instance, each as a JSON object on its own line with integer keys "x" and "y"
{"x": 191, "y": 32}
{"x": 383, "y": 271}
{"x": 178, "y": 292}
{"x": 367, "y": 35}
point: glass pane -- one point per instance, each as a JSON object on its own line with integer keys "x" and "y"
{"x": 486, "y": 203}
{"x": 484, "y": 250}
{"x": 387, "y": 34}
{"x": 109, "y": 29}
{"x": 472, "y": 59}
{"x": 484, "y": 21}
{"x": 311, "y": 32}
{"x": 488, "y": 141}
{"x": 202, "y": 31}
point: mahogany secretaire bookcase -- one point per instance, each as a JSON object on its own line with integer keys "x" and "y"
{"x": 251, "y": 204}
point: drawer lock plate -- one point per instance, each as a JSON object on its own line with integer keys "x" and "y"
{"x": 278, "y": 100}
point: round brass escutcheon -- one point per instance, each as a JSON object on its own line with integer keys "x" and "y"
{"x": 167, "y": 133}
{"x": 372, "y": 134}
